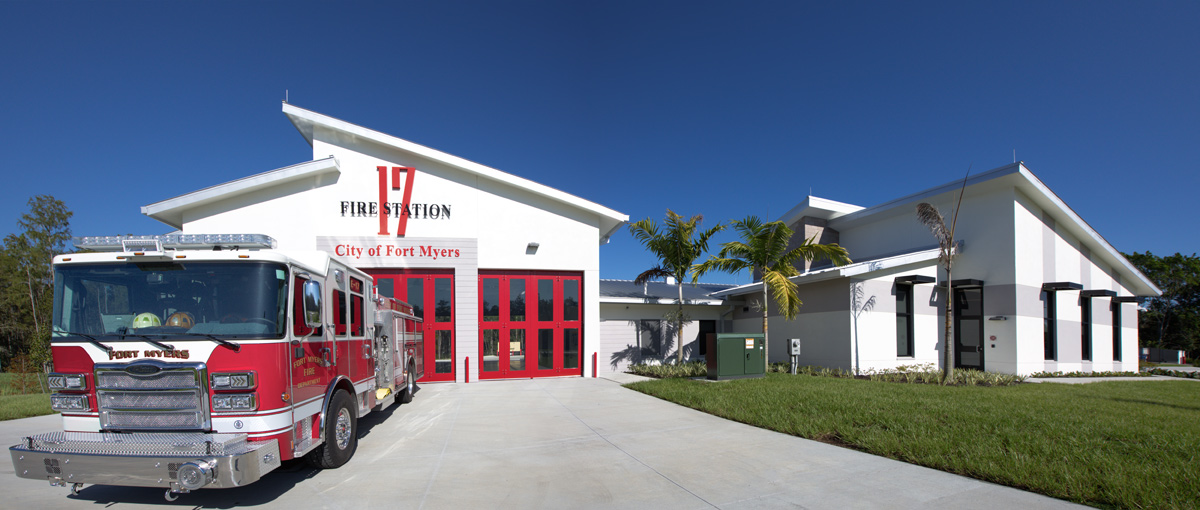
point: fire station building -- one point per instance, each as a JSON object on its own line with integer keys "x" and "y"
{"x": 504, "y": 271}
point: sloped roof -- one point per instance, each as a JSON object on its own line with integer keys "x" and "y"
{"x": 306, "y": 120}
{"x": 625, "y": 291}
{"x": 1016, "y": 175}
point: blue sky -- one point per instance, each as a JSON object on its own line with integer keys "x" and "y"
{"x": 715, "y": 108}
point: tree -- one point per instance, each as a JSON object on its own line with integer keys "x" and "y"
{"x": 1172, "y": 320}
{"x": 929, "y": 215}
{"x": 27, "y": 284}
{"x": 764, "y": 251}
{"x": 677, "y": 248}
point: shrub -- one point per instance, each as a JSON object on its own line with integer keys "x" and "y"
{"x": 927, "y": 373}
{"x": 1041, "y": 375}
{"x": 670, "y": 370}
{"x": 1174, "y": 373}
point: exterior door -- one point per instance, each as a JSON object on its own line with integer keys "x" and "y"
{"x": 311, "y": 352}
{"x": 968, "y": 328}
{"x": 530, "y": 324}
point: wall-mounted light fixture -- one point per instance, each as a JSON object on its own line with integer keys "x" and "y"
{"x": 997, "y": 318}
{"x": 531, "y": 249}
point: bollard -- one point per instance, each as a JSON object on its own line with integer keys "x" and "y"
{"x": 594, "y": 365}
{"x": 467, "y": 369}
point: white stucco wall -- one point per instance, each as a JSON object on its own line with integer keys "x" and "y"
{"x": 1062, "y": 257}
{"x": 490, "y": 226}
{"x": 619, "y": 333}
{"x": 1010, "y": 244}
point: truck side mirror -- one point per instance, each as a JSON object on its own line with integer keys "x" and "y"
{"x": 312, "y": 303}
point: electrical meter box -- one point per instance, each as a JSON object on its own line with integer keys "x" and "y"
{"x": 794, "y": 348}
{"x": 735, "y": 355}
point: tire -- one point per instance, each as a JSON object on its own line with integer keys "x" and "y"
{"x": 341, "y": 434}
{"x": 410, "y": 386}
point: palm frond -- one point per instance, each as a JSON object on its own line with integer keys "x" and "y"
{"x": 811, "y": 251}
{"x": 650, "y": 274}
{"x": 783, "y": 290}
{"x": 931, "y": 217}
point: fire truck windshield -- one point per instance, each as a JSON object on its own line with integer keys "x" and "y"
{"x": 164, "y": 299}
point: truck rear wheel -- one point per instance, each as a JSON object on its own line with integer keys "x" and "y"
{"x": 341, "y": 434}
{"x": 410, "y": 386}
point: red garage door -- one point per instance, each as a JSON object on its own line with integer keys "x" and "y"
{"x": 530, "y": 324}
{"x": 431, "y": 294}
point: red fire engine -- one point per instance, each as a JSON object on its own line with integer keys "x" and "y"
{"x": 202, "y": 361}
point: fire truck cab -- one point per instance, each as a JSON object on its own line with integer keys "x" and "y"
{"x": 191, "y": 361}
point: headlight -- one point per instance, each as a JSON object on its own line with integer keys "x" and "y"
{"x": 64, "y": 403}
{"x": 68, "y": 382}
{"x": 240, "y": 402}
{"x": 233, "y": 381}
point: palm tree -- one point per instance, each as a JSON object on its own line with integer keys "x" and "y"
{"x": 677, "y": 248}
{"x": 931, "y": 217}
{"x": 764, "y": 250}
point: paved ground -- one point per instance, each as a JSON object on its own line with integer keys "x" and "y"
{"x": 558, "y": 443}
{"x": 1085, "y": 380}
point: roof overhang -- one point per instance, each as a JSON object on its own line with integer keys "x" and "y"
{"x": 172, "y": 210}
{"x": 306, "y": 121}
{"x": 1020, "y": 177}
{"x": 1098, "y": 293}
{"x": 659, "y": 301}
{"x": 818, "y": 207}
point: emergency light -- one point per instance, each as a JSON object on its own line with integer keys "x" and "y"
{"x": 157, "y": 244}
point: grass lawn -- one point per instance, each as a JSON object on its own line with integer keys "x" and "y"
{"x": 24, "y": 406}
{"x": 14, "y": 404}
{"x": 1127, "y": 444}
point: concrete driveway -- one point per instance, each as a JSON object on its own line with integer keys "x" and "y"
{"x": 557, "y": 443}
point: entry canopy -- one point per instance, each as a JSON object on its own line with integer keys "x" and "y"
{"x": 1056, "y": 286}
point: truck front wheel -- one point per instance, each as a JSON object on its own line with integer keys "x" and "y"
{"x": 341, "y": 434}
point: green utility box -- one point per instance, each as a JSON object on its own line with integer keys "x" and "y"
{"x": 735, "y": 355}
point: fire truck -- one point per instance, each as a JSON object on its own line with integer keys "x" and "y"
{"x": 190, "y": 361}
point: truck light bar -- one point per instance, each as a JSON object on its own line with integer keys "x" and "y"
{"x": 149, "y": 243}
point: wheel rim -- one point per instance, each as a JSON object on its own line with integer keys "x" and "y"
{"x": 412, "y": 385}
{"x": 341, "y": 429}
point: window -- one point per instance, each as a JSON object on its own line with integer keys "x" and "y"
{"x": 545, "y": 290}
{"x": 1116, "y": 321}
{"x": 442, "y": 297}
{"x": 706, "y": 328}
{"x": 1085, "y": 307}
{"x": 904, "y": 320}
{"x": 299, "y": 328}
{"x": 1048, "y": 324}
{"x": 386, "y": 286}
{"x": 356, "y": 315}
{"x": 339, "y": 321}
{"x": 570, "y": 348}
{"x": 491, "y": 299}
{"x": 570, "y": 300}
{"x": 545, "y": 354}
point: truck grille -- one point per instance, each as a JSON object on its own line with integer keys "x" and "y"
{"x": 152, "y": 395}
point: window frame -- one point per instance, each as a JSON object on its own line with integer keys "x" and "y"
{"x": 1085, "y": 322}
{"x": 1049, "y": 325}
{"x": 907, "y": 290}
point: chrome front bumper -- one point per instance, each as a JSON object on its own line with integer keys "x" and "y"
{"x": 142, "y": 459}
